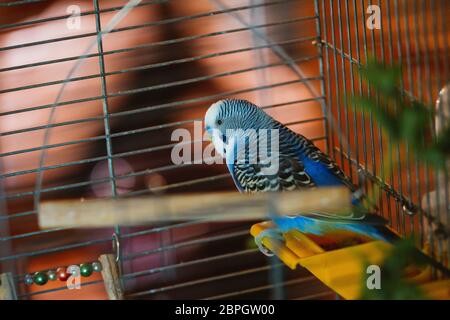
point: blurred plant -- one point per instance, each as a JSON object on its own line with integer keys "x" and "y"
{"x": 407, "y": 121}
{"x": 404, "y": 119}
{"x": 394, "y": 285}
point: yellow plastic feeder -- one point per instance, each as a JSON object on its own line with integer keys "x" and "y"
{"x": 341, "y": 268}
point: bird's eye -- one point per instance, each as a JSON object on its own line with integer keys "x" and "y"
{"x": 219, "y": 122}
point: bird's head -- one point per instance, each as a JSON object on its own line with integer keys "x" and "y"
{"x": 232, "y": 114}
{"x": 226, "y": 118}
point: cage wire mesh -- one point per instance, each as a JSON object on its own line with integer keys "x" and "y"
{"x": 157, "y": 70}
{"x": 412, "y": 34}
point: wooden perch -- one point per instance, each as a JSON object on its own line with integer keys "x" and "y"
{"x": 7, "y": 289}
{"x": 222, "y": 206}
{"x": 111, "y": 277}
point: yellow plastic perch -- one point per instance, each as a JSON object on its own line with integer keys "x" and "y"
{"x": 341, "y": 269}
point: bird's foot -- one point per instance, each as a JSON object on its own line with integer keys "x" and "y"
{"x": 271, "y": 233}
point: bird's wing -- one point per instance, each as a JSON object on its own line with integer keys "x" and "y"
{"x": 313, "y": 159}
{"x": 265, "y": 173}
{"x": 353, "y": 216}
{"x": 254, "y": 177}
{"x": 358, "y": 214}
{"x": 315, "y": 154}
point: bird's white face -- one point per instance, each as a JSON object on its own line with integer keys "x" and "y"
{"x": 214, "y": 127}
{"x": 211, "y": 116}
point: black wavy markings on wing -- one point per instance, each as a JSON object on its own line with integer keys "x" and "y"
{"x": 309, "y": 149}
{"x": 290, "y": 176}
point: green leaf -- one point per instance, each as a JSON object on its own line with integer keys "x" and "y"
{"x": 383, "y": 78}
{"x": 412, "y": 124}
{"x": 434, "y": 156}
{"x": 383, "y": 116}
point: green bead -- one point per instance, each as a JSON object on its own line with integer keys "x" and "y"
{"x": 40, "y": 278}
{"x": 97, "y": 266}
{"x": 86, "y": 269}
{"x": 52, "y": 275}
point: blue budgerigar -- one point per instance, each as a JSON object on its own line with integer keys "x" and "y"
{"x": 233, "y": 123}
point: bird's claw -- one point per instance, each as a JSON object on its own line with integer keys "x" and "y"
{"x": 271, "y": 233}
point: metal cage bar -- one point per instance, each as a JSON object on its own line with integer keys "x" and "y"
{"x": 397, "y": 41}
{"x": 282, "y": 56}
